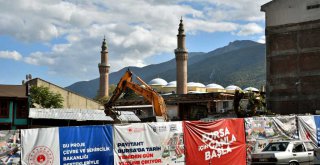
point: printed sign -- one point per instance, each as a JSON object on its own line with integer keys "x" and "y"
{"x": 149, "y": 143}
{"x": 86, "y": 145}
{"x": 218, "y": 142}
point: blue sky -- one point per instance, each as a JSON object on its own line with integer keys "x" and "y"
{"x": 60, "y": 41}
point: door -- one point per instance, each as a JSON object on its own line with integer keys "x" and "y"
{"x": 313, "y": 152}
{"x": 301, "y": 154}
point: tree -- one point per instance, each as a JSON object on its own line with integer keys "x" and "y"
{"x": 43, "y": 97}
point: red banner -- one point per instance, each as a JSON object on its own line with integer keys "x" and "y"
{"x": 218, "y": 142}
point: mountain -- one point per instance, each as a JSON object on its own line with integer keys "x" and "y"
{"x": 240, "y": 63}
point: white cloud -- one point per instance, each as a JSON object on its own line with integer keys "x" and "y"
{"x": 11, "y": 55}
{"x": 248, "y": 10}
{"x": 262, "y": 39}
{"x": 38, "y": 58}
{"x": 250, "y": 29}
{"x": 135, "y": 30}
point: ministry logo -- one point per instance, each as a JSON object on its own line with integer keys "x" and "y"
{"x": 41, "y": 155}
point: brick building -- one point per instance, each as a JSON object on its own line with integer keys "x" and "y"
{"x": 293, "y": 55}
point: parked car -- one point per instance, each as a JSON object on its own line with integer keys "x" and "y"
{"x": 287, "y": 152}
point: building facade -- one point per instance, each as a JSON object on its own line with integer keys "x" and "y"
{"x": 293, "y": 56}
{"x": 104, "y": 71}
{"x": 14, "y": 109}
{"x": 71, "y": 100}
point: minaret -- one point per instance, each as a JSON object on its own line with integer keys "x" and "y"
{"x": 104, "y": 71}
{"x": 181, "y": 60}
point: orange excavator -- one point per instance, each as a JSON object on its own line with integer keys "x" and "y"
{"x": 146, "y": 91}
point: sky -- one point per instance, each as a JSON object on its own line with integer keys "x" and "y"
{"x": 60, "y": 41}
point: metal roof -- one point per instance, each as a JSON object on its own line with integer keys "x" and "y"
{"x": 132, "y": 106}
{"x": 128, "y": 116}
{"x": 69, "y": 114}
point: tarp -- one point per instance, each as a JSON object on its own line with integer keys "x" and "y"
{"x": 10, "y": 147}
{"x": 262, "y": 130}
{"x": 68, "y": 145}
{"x": 309, "y": 128}
{"x": 149, "y": 143}
{"x": 218, "y": 142}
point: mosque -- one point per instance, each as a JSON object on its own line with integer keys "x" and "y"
{"x": 165, "y": 88}
{"x": 184, "y": 100}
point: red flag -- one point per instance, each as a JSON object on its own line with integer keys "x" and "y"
{"x": 218, "y": 142}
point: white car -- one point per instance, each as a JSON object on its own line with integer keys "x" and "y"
{"x": 287, "y": 152}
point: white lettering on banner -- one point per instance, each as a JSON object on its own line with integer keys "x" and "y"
{"x": 218, "y": 142}
{"x": 82, "y": 144}
{"x": 70, "y": 149}
{"x": 217, "y": 153}
{"x": 66, "y": 152}
{"x": 78, "y": 157}
{"x": 215, "y": 134}
{"x": 98, "y": 149}
{"x": 89, "y": 162}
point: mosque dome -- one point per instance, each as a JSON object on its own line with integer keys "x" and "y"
{"x": 251, "y": 89}
{"x": 195, "y": 84}
{"x": 214, "y": 86}
{"x": 172, "y": 84}
{"x": 158, "y": 81}
{"x": 232, "y": 87}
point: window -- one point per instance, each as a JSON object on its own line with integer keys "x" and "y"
{"x": 4, "y": 108}
{"x": 313, "y": 6}
{"x": 225, "y": 104}
{"x": 22, "y": 109}
{"x": 276, "y": 146}
{"x": 310, "y": 146}
{"x": 298, "y": 147}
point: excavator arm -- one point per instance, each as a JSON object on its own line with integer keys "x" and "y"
{"x": 147, "y": 92}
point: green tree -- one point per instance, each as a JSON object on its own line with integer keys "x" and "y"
{"x": 43, "y": 97}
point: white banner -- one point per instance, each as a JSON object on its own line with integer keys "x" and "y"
{"x": 307, "y": 128}
{"x": 40, "y": 146}
{"x": 149, "y": 143}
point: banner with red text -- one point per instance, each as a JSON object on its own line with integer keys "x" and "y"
{"x": 218, "y": 142}
{"x": 149, "y": 143}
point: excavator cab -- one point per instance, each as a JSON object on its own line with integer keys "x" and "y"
{"x": 147, "y": 92}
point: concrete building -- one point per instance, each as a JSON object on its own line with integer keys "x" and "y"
{"x": 293, "y": 55}
{"x": 104, "y": 71}
{"x": 181, "y": 60}
{"x": 71, "y": 100}
{"x": 14, "y": 109}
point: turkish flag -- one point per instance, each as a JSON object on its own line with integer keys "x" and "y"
{"x": 218, "y": 142}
